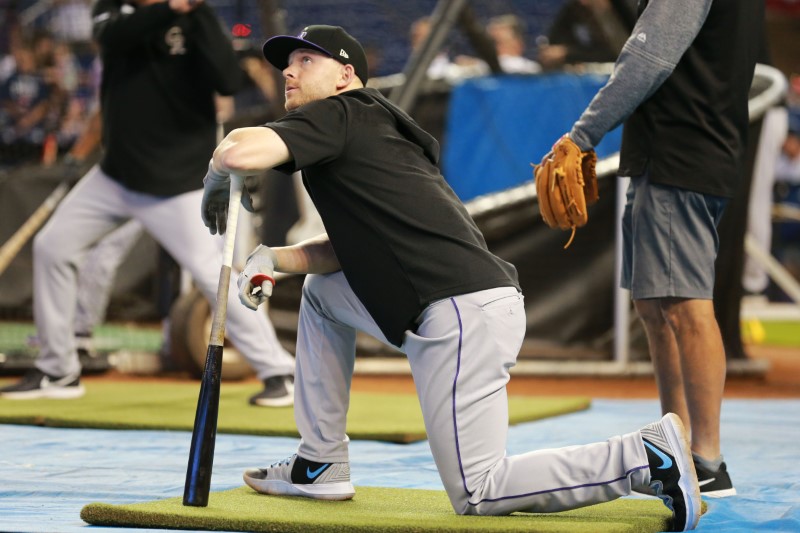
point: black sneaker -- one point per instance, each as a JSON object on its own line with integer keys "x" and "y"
{"x": 672, "y": 473}
{"x": 36, "y": 384}
{"x": 714, "y": 484}
{"x": 84, "y": 345}
{"x": 278, "y": 392}
{"x": 295, "y": 476}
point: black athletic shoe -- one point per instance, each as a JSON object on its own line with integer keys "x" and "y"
{"x": 295, "y": 476}
{"x": 714, "y": 484}
{"x": 84, "y": 345}
{"x": 278, "y": 392}
{"x": 672, "y": 474}
{"x": 36, "y": 384}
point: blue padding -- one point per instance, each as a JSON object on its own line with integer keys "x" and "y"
{"x": 498, "y": 125}
{"x": 47, "y": 475}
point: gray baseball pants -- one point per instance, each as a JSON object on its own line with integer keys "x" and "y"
{"x": 98, "y": 205}
{"x": 96, "y": 276}
{"x": 460, "y": 356}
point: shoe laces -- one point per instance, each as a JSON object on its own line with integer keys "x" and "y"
{"x": 283, "y": 462}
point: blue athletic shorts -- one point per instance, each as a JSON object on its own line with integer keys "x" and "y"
{"x": 670, "y": 241}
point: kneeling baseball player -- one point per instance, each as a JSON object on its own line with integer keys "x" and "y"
{"x": 403, "y": 261}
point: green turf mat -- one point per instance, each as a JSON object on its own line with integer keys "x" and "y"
{"x": 16, "y": 336}
{"x": 781, "y": 333}
{"x": 373, "y": 510}
{"x": 771, "y": 332}
{"x": 171, "y": 405}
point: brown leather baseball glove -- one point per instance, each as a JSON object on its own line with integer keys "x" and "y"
{"x": 566, "y": 183}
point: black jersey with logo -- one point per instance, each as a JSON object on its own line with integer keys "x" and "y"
{"x": 160, "y": 73}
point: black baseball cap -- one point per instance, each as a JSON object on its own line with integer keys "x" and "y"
{"x": 332, "y": 41}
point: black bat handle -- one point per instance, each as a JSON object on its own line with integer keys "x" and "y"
{"x": 201, "y": 454}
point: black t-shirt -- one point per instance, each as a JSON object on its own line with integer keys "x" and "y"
{"x": 400, "y": 233}
{"x": 160, "y": 73}
{"x": 692, "y": 132}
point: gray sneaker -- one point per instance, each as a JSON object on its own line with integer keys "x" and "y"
{"x": 278, "y": 392}
{"x": 36, "y": 384}
{"x": 295, "y": 476}
{"x": 672, "y": 473}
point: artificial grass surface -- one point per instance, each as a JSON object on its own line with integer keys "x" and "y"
{"x": 136, "y": 337}
{"x": 171, "y": 406}
{"x": 373, "y": 510}
{"x": 781, "y": 333}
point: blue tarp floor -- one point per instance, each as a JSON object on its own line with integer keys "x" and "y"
{"x": 47, "y": 475}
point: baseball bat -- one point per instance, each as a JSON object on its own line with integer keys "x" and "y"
{"x": 204, "y": 435}
{"x": 14, "y": 244}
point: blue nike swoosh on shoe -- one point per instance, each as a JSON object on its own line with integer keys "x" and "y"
{"x": 312, "y": 474}
{"x": 667, "y": 462}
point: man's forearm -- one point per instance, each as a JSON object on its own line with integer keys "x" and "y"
{"x": 312, "y": 256}
{"x": 249, "y": 151}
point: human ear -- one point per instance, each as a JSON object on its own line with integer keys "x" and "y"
{"x": 346, "y": 75}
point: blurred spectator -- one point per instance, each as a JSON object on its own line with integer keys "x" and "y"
{"x": 46, "y": 96}
{"x": 788, "y": 167}
{"x": 60, "y": 78}
{"x": 787, "y": 195}
{"x": 79, "y": 96}
{"x": 441, "y": 67}
{"x": 585, "y": 31}
{"x": 24, "y": 101}
{"x": 508, "y": 33}
{"x": 44, "y": 45}
{"x": 10, "y": 38}
{"x": 71, "y": 20}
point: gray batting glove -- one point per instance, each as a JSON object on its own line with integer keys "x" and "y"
{"x": 216, "y": 199}
{"x": 258, "y": 277}
{"x": 216, "y": 196}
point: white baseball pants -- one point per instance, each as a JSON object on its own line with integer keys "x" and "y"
{"x": 95, "y": 207}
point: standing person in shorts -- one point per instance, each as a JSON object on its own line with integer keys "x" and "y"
{"x": 681, "y": 87}
{"x": 402, "y": 261}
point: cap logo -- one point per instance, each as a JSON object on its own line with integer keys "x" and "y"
{"x": 343, "y": 53}
{"x": 303, "y": 34}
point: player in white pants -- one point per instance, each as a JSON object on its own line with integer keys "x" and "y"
{"x": 403, "y": 261}
{"x": 164, "y": 62}
{"x": 774, "y": 128}
{"x": 94, "y": 208}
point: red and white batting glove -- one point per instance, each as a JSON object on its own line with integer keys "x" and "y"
{"x": 257, "y": 279}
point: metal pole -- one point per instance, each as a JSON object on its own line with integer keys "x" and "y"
{"x": 444, "y": 17}
{"x": 621, "y": 296}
